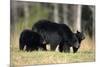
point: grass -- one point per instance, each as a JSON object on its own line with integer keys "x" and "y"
{"x": 42, "y": 57}
{"x": 19, "y": 58}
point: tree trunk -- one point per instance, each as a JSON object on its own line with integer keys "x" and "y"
{"x": 14, "y": 16}
{"x": 75, "y": 17}
{"x": 56, "y": 13}
{"x": 65, "y": 11}
{"x": 78, "y": 18}
{"x": 26, "y": 13}
{"x": 93, "y": 21}
{"x": 14, "y": 11}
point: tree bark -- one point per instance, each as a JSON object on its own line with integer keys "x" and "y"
{"x": 65, "y": 11}
{"x": 75, "y": 17}
{"x": 26, "y": 13}
{"x": 78, "y": 18}
{"x": 14, "y": 11}
{"x": 56, "y": 13}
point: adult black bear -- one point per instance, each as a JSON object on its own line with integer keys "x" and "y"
{"x": 49, "y": 32}
{"x": 31, "y": 40}
{"x": 56, "y": 34}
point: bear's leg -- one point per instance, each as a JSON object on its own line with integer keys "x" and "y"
{"x": 44, "y": 47}
{"x": 27, "y": 48}
{"x": 21, "y": 46}
{"x": 61, "y": 48}
{"x": 36, "y": 48}
{"x": 66, "y": 48}
{"x": 31, "y": 49}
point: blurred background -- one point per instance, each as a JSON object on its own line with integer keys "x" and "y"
{"x": 77, "y": 17}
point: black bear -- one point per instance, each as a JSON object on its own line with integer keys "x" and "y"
{"x": 32, "y": 41}
{"x": 80, "y": 36}
{"x": 56, "y": 34}
{"x": 49, "y": 32}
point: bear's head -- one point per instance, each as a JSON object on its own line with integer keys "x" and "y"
{"x": 80, "y": 36}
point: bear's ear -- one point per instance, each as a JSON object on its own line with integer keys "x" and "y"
{"x": 77, "y": 31}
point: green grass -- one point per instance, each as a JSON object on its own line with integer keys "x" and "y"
{"x": 49, "y": 57}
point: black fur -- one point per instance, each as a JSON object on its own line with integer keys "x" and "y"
{"x": 31, "y": 40}
{"x": 57, "y": 34}
{"x": 80, "y": 36}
